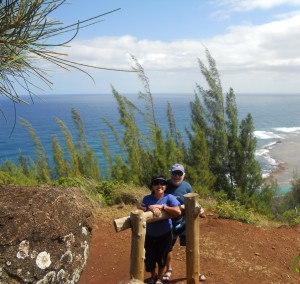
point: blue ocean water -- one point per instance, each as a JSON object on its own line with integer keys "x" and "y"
{"x": 275, "y": 118}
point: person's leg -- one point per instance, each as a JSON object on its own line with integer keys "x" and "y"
{"x": 169, "y": 261}
{"x": 150, "y": 257}
{"x": 170, "y": 254}
{"x": 167, "y": 247}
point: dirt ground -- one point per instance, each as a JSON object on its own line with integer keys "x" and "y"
{"x": 230, "y": 252}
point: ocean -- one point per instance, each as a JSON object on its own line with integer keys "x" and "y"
{"x": 276, "y": 120}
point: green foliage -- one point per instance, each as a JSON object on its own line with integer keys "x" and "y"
{"x": 107, "y": 156}
{"x": 69, "y": 182}
{"x": 134, "y": 157}
{"x": 234, "y": 210}
{"x": 229, "y": 155}
{"x": 198, "y": 159}
{"x": 261, "y": 200}
{"x": 296, "y": 190}
{"x": 120, "y": 193}
{"x": 14, "y": 174}
{"x": 62, "y": 168}
{"x": 215, "y": 126}
{"x": 87, "y": 161}
{"x": 204, "y": 192}
{"x": 175, "y": 135}
{"x": 82, "y": 160}
{"x": 41, "y": 167}
{"x": 105, "y": 192}
{"x": 291, "y": 216}
{"x": 288, "y": 202}
{"x": 248, "y": 175}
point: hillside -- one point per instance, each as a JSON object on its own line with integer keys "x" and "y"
{"x": 230, "y": 252}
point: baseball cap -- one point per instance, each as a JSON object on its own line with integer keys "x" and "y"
{"x": 177, "y": 167}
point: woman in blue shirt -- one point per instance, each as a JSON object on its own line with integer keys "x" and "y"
{"x": 158, "y": 241}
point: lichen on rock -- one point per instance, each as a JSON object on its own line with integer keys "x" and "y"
{"x": 43, "y": 260}
{"x": 41, "y": 241}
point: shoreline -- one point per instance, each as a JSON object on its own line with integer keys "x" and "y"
{"x": 287, "y": 156}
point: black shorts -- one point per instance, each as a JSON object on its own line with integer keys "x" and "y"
{"x": 157, "y": 249}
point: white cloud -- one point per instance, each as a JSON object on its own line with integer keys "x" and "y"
{"x": 248, "y": 5}
{"x": 249, "y": 58}
{"x": 225, "y": 8}
{"x": 272, "y": 44}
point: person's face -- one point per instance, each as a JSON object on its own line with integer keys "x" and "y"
{"x": 159, "y": 186}
{"x": 177, "y": 177}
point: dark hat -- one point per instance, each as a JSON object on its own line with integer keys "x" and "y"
{"x": 159, "y": 177}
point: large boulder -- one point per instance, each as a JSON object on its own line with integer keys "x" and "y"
{"x": 44, "y": 234}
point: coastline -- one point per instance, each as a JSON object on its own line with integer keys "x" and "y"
{"x": 286, "y": 155}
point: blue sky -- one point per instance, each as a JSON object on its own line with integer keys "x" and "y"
{"x": 256, "y": 45}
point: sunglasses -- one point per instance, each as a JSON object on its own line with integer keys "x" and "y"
{"x": 177, "y": 173}
{"x": 159, "y": 182}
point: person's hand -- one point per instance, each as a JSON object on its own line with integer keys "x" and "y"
{"x": 156, "y": 209}
{"x": 202, "y": 213}
{"x": 142, "y": 206}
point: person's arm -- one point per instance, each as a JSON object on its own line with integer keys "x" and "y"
{"x": 173, "y": 210}
{"x": 141, "y": 205}
{"x": 173, "y": 206}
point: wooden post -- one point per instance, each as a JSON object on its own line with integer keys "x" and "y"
{"x": 138, "y": 223}
{"x": 192, "y": 210}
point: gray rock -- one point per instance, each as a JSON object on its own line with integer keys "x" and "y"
{"x": 44, "y": 234}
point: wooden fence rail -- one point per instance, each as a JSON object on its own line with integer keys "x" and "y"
{"x": 137, "y": 222}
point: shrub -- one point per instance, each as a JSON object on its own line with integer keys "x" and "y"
{"x": 119, "y": 192}
{"x": 291, "y": 217}
{"x": 233, "y": 210}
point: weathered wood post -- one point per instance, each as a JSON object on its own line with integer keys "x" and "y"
{"x": 138, "y": 223}
{"x": 192, "y": 211}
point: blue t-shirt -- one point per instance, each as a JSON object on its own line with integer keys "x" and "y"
{"x": 179, "y": 191}
{"x": 160, "y": 228}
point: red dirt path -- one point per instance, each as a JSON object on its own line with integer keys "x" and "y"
{"x": 230, "y": 252}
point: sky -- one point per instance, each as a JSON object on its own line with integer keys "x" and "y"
{"x": 255, "y": 43}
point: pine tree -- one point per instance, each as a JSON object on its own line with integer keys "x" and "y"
{"x": 175, "y": 146}
{"x": 232, "y": 125}
{"x": 62, "y": 167}
{"x": 72, "y": 154}
{"x": 107, "y": 156}
{"x": 41, "y": 166}
{"x": 248, "y": 173}
{"x": 155, "y": 158}
{"x": 87, "y": 161}
{"x": 198, "y": 160}
{"x": 132, "y": 141}
{"x": 215, "y": 125}
{"x": 231, "y": 147}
